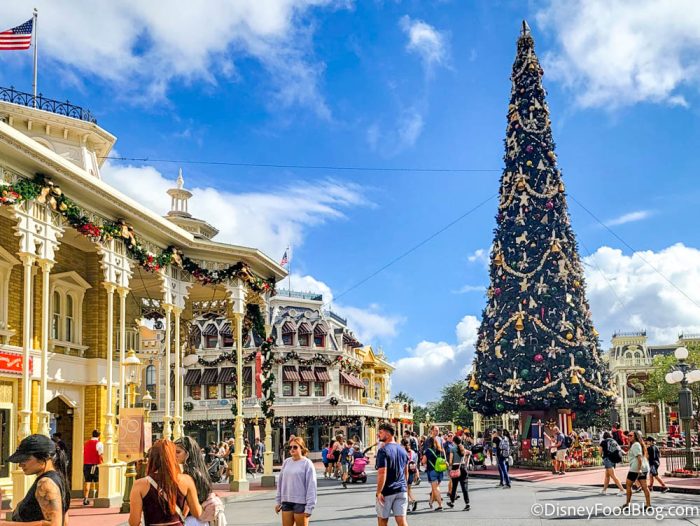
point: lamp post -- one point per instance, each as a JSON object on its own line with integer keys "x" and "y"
{"x": 684, "y": 375}
{"x": 132, "y": 378}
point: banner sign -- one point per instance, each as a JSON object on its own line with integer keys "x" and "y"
{"x": 11, "y": 362}
{"x": 134, "y": 434}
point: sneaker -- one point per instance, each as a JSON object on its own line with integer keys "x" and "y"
{"x": 86, "y": 502}
{"x": 450, "y": 504}
{"x": 345, "y": 485}
{"x": 457, "y": 497}
{"x": 562, "y": 473}
{"x": 439, "y": 508}
{"x": 508, "y": 486}
{"x": 637, "y": 490}
{"x": 430, "y": 504}
{"x": 467, "y": 508}
{"x": 414, "y": 505}
{"x": 620, "y": 493}
{"x": 603, "y": 492}
{"x": 664, "y": 489}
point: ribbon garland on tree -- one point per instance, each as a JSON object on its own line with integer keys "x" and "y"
{"x": 43, "y": 191}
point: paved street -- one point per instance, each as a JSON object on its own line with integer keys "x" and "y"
{"x": 354, "y": 506}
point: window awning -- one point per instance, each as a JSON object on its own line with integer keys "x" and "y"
{"x": 307, "y": 374}
{"x": 290, "y": 374}
{"x": 227, "y": 375}
{"x": 226, "y": 329}
{"x": 193, "y": 377}
{"x": 210, "y": 376}
{"x": 247, "y": 374}
{"x": 320, "y": 330}
{"x": 210, "y": 330}
{"x": 304, "y": 328}
{"x": 351, "y": 380}
{"x": 288, "y": 327}
{"x": 322, "y": 374}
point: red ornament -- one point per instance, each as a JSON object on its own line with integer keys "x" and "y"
{"x": 497, "y": 291}
{"x": 581, "y": 398}
{"x": 549, "y": 205}
{"x": 521, "y": 400}
{"x": 539, "y": 358}
{"x": 547, "y": 378}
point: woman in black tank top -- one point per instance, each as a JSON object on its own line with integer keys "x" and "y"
{"x": 48, "y": 498}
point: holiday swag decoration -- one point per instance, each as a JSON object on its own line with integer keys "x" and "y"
{"x": 536, "y": 348}
{"x": 43, "y": 191}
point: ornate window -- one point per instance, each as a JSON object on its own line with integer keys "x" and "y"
{"x": 319, "y": 389}
{"x": 67, "y": 293}
{"x": 303, "y": 340}
{"x": 196, "y": 392}
{"x": 151, "y": 379}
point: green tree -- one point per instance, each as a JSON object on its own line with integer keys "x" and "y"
{"x": 656, "y": 389}
{"x": 452, "y": 406}
{"x": 404, "y": 398}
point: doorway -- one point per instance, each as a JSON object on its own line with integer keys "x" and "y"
{"x": 61, "y": 421}
{"x": 4, "y": 442}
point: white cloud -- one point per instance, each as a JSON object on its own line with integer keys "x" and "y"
{"x": 392, "y": 139}
{"x": 269, "y": 221}
{"x": 425, "y": 41}
{"x": 480, "y": 255}
{"x": 430, "y": 365}
{"x": 369, "y": 323}
{"x": 469, "y": 288}
{"x": 625, "y": 293}
{"x": 141, "y": 47}
{"x": 618, "y": 53}
{"x": 629, "y": 218}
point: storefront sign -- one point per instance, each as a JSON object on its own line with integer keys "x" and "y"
{"x": 12, "y": 363}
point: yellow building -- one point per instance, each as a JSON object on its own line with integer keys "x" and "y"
{"x": 79, "y": 263}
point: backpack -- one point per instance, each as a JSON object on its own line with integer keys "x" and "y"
{"x": 568, "y": 441}
{"x": 504, "y": 448}
{"x": 654, "y": 456}
{"x": 614, "y": 451}
{"x": 440, "y": 464}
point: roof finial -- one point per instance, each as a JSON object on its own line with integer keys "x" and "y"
{"x": 526, "y": 29}
{"x": 180, "y": 179}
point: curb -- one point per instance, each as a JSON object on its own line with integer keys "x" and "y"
{"x": 671, "y": 489}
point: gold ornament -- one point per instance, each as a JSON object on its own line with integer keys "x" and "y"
{"x": 563, "y": 392}
{"x": 569, "y": 336}
{"x": 498, "y": 259}
{"x": 497, "y": 351}
{"x": 561, "y": 187}
{"x": 595, "y": 332}
{"x": 521, "y": 184}
{"x": 577, "y": 283}
{"x": 574, "y": 378}
{"x": 473, "y": 383}
{"x": 519, "y": 325}
{"x": 529, "y": 163}
{"x": 555, "y": 247}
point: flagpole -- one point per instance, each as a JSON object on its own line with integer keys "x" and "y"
{"x": 289, "y": 275}
{"x": 36, "y": 45}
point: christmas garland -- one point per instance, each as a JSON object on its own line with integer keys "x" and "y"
{"x": 43, "y": 191}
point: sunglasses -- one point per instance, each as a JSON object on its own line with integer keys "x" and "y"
{"x": 294, "y": 447}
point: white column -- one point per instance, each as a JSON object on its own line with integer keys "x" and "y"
{"x": 26, "y": 412}
{"x": 177, "y": 428}
{"x": 122, "y": 338}
{"x": 167, "y": 427}
{"x": 109, "y": 420}
{"x": 45, "y": 328}
{"x": 239, "y": 482}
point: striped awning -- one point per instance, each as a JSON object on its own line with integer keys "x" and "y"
{"x": 226, "y": 329}
{"x": 210, "y": 376}
{"x": 351, "y": 380}
{"x": 290, "y": 374}
{"x": 288, "y": 327}
{"x": 210, "y": 330}
{"x": 307, "y": 374}
{"x": 322, "y": 374}
{"x": 193, "y": 377}
{"x": 247, "y": 374}
{"x": 320, "y": 330}
{"x": 227, "y": 375}
{"x": 304, "y": 328}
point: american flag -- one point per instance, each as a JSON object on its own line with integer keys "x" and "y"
{"x": 285, "y": 259}
{"x": 19, "y": 37}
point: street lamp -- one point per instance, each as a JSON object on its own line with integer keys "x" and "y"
{"x": 684, "y": 375}
{"x": 132, "y": 379}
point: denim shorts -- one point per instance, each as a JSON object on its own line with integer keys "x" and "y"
{"x": 435, "y": 476}
{"x": 608, "y": 464}
{"x": 294, "y": 507}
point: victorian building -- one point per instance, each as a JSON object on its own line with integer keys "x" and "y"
{"x": 630, "y": 359}
{"x": 80, "y": 263}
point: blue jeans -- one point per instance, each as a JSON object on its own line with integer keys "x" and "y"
{"x": 503, "y": 471}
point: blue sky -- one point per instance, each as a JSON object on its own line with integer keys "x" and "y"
{"x": 400, "y": 84}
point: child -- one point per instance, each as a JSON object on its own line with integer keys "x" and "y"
{"x": 324, "y": 458}
{"x": 654, "y": 457}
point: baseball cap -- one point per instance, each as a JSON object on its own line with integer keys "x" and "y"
{"x": 31, "y": 446}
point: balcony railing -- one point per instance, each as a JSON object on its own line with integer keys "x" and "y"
{"x": 284, "y": 293}
{"x": 42, "y": 103}
{"x": 337, "y": 318}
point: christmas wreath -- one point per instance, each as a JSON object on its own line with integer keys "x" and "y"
{"x": 333, "y": 401}
{"x": 188, "y": 406}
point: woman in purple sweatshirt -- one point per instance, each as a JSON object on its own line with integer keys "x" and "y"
{"x": 296, "y": 486}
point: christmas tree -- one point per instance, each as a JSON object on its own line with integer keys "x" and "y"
{"x": 537, "y": 348}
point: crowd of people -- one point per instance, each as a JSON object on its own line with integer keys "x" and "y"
{"x": 177, "y": 488}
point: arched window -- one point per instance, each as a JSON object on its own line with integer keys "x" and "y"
{"x": 151, "y": 380}
{"x": 70, "y": 316}
{"x": 56, "y": 320}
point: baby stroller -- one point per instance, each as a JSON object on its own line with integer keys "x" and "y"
{"x": 217, "y": 470}
{"x": 357, "y": 470}
{"x": 477, "y": 459}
